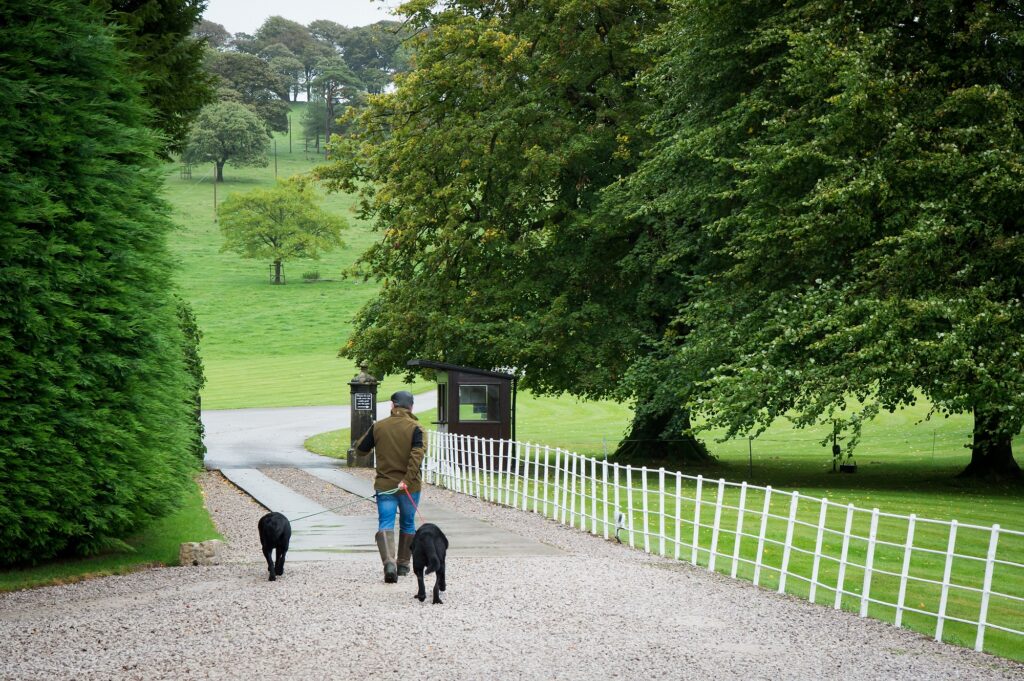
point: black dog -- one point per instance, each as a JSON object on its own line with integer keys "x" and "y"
{"x": 275, "y": 532}
{"x": 428, "y": 549}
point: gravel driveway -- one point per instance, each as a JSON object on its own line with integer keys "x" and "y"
{"x": 600, "y": 611}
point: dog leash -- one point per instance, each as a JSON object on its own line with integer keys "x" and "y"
{"x": 326, "y": 510}
{"x": 411, "y": 501}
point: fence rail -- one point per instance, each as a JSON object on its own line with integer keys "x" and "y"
{"x": 959, "y": 582}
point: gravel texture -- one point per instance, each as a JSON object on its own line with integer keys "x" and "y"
{"x": 600, "y": 611}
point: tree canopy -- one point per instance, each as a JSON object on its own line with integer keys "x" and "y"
{"x": 167, "y": 57}
{"x": 484, "y": 170}
{"x": 228, "y": 132}
{"x": 279, "y": 224}
{"x": 848, "y": 223}
{"x": 743, "y": 210}
{"x": 253, "y": 82}
{"x": 96, "y": 414}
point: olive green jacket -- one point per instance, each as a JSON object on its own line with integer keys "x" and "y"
{"x": 398, "y": 440}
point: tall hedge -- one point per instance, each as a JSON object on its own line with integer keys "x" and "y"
{"x": 95, "y": 412}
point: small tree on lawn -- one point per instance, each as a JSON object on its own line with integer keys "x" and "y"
{"x": 228, "y": 131}
{"x": 279, "y": 223}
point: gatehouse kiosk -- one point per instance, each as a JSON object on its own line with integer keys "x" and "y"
{"x": 473, "y": 402}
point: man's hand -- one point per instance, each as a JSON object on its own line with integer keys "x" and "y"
{"x": 402, "y": 486}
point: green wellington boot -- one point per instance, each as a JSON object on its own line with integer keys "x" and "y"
{"x": 386, "y": 546}
{"x": 404, "y": 552}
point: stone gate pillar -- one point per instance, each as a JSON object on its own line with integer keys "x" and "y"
{"x": 363, "y": 413}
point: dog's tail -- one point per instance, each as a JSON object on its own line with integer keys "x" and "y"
{"x": 433, "y": 560}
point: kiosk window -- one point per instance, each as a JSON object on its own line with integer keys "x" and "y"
{"x": 478, "y": 403}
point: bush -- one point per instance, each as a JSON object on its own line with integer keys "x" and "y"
{"x": 95, "y": 414}
{"x": 311, "y": 276}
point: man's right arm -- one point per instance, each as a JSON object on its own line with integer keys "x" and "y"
{"x": 366, "y": 442}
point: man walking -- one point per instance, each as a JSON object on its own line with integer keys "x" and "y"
{"x": 400, "y": 449}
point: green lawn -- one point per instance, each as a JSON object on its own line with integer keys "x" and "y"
{"x": 156, "y": 545}
{"x": 266, "y": 345}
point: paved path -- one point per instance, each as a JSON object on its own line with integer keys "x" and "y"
{"x": 241, "y": 441}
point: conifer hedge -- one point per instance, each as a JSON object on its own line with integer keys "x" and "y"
{"x": 95, "y": 413}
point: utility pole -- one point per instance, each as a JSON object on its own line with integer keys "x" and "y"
{"x": 215, "y": 191}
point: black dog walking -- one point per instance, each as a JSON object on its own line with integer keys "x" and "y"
{"x": 275, "y": 533}
{"x": 428, "y": 549}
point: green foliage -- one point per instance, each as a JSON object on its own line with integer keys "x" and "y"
{"x": 279, "y": 224}
{"x": 298, "y": 39}
{"x": 167, "y": 58}
{"x": 159, "y": 543}
{"x": 483, "y": 171}
{"x": 194, "y": 365}
{"x": 848, "y": 224}
{"x": 252, "y": 81}
{"x": 94, "y": 404}
{"x": 212, "y": 33}
{"x": 228, "y": 131}
{"x": 375, "y": 53}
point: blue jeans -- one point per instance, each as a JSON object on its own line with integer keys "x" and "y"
{"x": 389, "y": 504}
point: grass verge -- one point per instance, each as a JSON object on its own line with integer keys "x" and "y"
{"x": 156, "y": 545}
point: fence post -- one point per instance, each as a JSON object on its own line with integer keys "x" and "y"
{"x": 718, "y": 520}
{"x": 661, "y": 514}
{"x": 739, "y": 530}
{"x": 556, "y": 493}
{"x": 629, "y": 504}
{"x": 788, "y": 546}
{"x": 908, "y": 549}
{"x": 817, "y": 549}
{"x": 869, "y": 561}
{"x": 696, "y": 520}
{"x": 950, "y": 550}
{"x": 604, "y": 484}
{"x": 536, "y": 475}
{"x": 593, "y": 495}
{"x": 510, "y": 475}
{"x": 486, "y": 459}
{"x": 573, "y": 493}
{"x": 986, "y": 588}
{"x": 547, "y": 466}
{"x": 504, "y": 465}
{"x": 565, "y": 486}
{"x": 679, "y": 511}
{"x": 761, "y": 533}
{"x": 842, "y": 556}
{"x": 643, "y": 496}
{"x": 514, "y": 448}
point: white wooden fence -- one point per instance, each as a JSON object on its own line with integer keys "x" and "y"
{"x": 929, "y": 575}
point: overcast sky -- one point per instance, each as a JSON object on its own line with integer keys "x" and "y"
{"x": 246, "y": 16}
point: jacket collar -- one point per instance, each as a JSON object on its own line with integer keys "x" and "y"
{"x": 402, "y": 411}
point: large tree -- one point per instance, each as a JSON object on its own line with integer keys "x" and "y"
{"x": 228, "y": 132}
{"x": 839, "y": 185}
{"x": 167, "y": 58}
{"x": 253, "y": 82}
{"x": 95, "y": 412}
{"x": 279, "y": 224}
{"x": 298, "y": 39}
{"x": 484, "y": 170}
{"x": 375, "y": 53}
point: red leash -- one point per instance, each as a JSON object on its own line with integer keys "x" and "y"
{"x": 411, "y": 501}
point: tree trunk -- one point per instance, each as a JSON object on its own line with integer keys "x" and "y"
{"x": 220, "y": 171}
{"x": 992, "y": 449}
{"x": 277, "y": 271}
{"x": 647, "y": 442}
